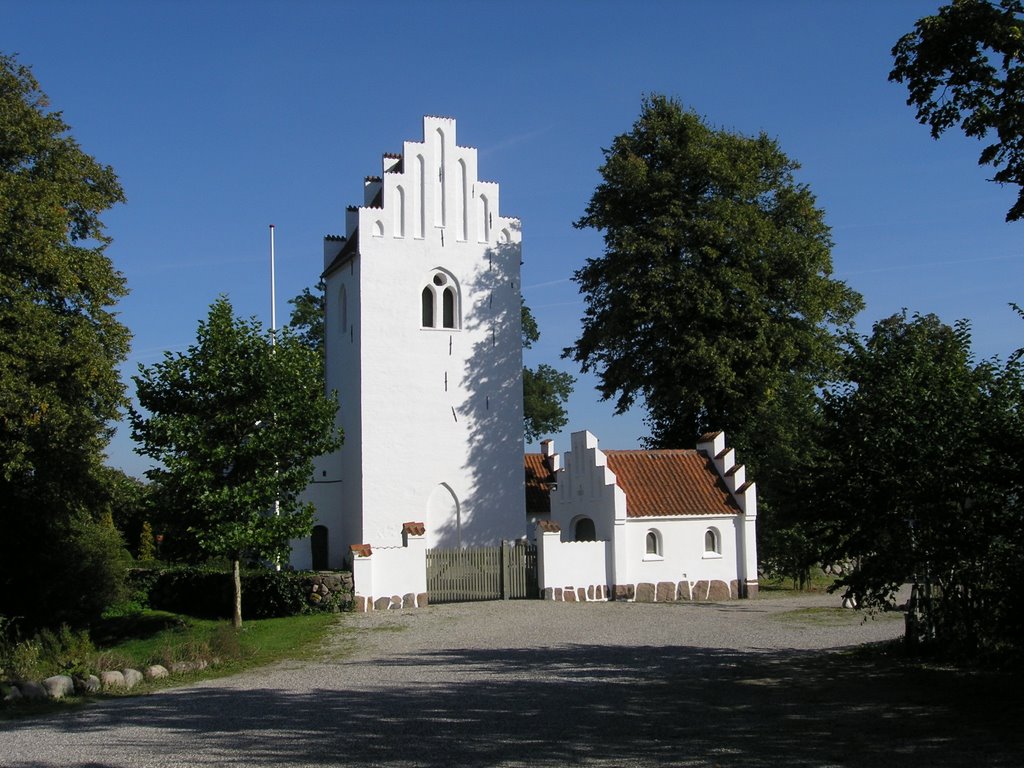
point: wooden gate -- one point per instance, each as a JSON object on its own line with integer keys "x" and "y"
{"x": 505, "y": 572}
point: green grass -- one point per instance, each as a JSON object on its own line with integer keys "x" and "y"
{"x": 157, "y": 637}
{"x": 780, "y": 586}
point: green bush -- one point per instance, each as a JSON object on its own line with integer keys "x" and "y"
{"x": 208, "y": 593}
{"x": 192, "y": 590}
{"x": 45, "y": 653}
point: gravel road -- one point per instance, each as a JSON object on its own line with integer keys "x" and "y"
{"x": 746, "y": 683}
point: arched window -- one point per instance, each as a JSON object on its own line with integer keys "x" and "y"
{"x": 448, "y": 302}
{"x": 712, "y": 542}
{"x": 440, "y": 304}
{"x": 584, "y": 530}
{"x": 428, "y": 307}
{"x": 653, "y": 544}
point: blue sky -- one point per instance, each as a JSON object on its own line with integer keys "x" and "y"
{"x": 224, "y": 117}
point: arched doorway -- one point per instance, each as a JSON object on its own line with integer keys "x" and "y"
{"x": 583, "y": 530}
{"x": 318, "y": 542}
{"x": 444, "y": 520}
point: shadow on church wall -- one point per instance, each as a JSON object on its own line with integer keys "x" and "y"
{"x": 492, "y": 412}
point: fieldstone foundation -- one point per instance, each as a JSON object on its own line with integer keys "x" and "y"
{"x": 592, "y": 593}
{"x": 363, "y": 603}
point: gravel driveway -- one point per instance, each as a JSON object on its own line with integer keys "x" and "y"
{"x": 746, "y": 683}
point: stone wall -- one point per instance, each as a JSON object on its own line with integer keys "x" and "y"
{"x": 325, "y": 586}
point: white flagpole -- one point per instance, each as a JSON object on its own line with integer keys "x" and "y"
{"x": 273, "y": 342}
{"x": 273, "y": 297}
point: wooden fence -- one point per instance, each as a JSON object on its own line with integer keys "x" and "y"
{"x": 504, "y": 572}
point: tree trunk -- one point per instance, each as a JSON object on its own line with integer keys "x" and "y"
{"x": 236, "y": 620}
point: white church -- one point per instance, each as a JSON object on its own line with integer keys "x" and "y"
{"x": 424, "y": 349}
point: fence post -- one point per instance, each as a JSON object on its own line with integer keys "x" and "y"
{"x": 504, "y": 570}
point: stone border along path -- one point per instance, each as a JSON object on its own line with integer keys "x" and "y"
{"x": 529, "y": 683}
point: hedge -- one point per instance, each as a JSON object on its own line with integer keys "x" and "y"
{"x": 209, "y": 593}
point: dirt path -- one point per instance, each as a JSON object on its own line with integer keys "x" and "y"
{"x": 758, "y": 683}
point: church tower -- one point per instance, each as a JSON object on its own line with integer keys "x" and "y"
{"x": 424, "y": 348}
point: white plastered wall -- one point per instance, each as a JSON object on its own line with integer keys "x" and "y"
{"x": 432, "y": 415}
{"x": 683, "y": 556}
{"x": 585, "y": 486}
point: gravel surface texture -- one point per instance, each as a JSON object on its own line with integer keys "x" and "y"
{"x": 745, "y": 683}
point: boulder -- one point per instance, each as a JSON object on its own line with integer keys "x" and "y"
{"x": 666, "y": 592}
{"x": 13, "y": 694}
{"x": 718, "y": 591}
{"x": 59, "y": 686}
{"x": 88, "y": 684}
{"x": 111, "y": 679}
{"x": 32, "y": 690}
{"x": 645, "y": 592}
{"x": 132, "y": 677}
{"x": 156, "y": 672}
{"x": 683, "y": 592}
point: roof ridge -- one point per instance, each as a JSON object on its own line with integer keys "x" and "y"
{"x": 648, "y": 451}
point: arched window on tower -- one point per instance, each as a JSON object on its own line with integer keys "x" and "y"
{"x": 440, "y": 301}
{"x": 449, "y": 307}
{"x": 428, "y": 307}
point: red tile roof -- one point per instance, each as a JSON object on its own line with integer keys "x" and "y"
{"x": 538, "y": 484}
{"x": 670, "y": 482}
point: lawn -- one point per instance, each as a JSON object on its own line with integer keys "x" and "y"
{"x": 211, "y": 648}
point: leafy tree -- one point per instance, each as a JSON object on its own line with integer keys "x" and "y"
{"x": 60, "y": 344}
{"x": 147, "y": 543}
{"x": 713, "y": 297}
{"x": 920, "y": 480}
{"x": 713, "y": 303}
{"x": 128, "y": 503}
{"x": 307, "y": 318}
{"x": 236, "y": 422}
{"x": 545, "y": 389}
{"x": 965, "y": 66}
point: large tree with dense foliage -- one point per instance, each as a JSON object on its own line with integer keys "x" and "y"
{"x": 713, "y": 304}
{"x": 236, "y": 422}
{"x": 714, "y": 295}
{"x": 545, "y": 389}
{"x": 60, "y": 344}
{"x": 964, "y": 66}
{"x": 307, "y": 318}
{"x": 920, "y": 478}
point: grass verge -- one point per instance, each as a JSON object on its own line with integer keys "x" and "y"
{"x": 780, "y": 586}
{"x": 157, "y": 637}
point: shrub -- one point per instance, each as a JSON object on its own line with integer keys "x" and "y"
{"x": 207, "y": 593}
{"x": 45, "y": 653}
